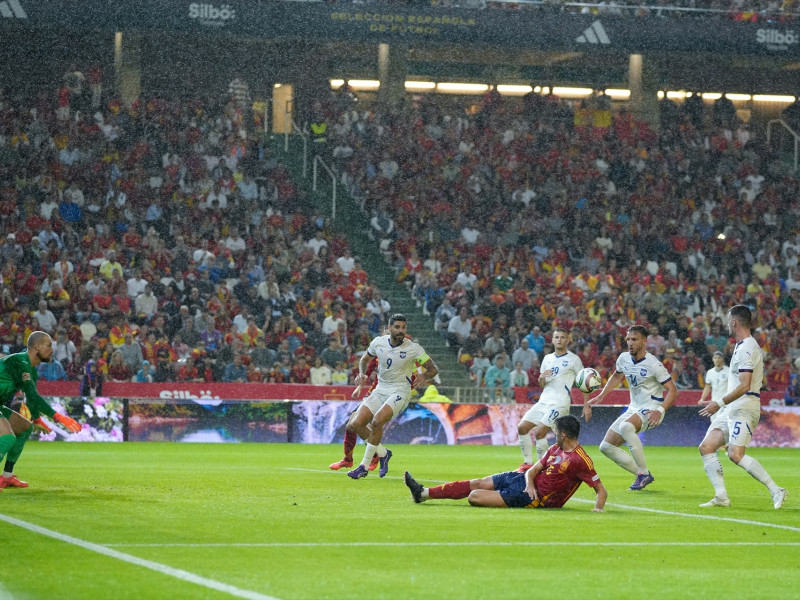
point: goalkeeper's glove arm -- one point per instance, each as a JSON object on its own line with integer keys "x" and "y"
{"x": 71, "y": 424}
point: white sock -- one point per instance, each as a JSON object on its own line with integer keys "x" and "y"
{"x": 368, "y": 454}
{"x": 7, "y": 474}
{"x": 628, "y": 433}
{"x": 425, "y": 495}
{"x": 526, "y": 445}
{"x": 541, "y": 447}
{"x": 714, "y": 472}
{"x": 381, "y": 450}
{"x": 619, "y": 456}
{"x": 754, "y": 468}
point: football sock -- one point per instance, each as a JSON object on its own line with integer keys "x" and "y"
{"x": 381, "y": 450}
{"x": 754, "y": 468}
{"x": 628, "y": 433}
{"x": 350, "y": 439}
{"x": 541, "y": 447}
{"x": 619, "y": 456}
{"x": 7, "y": 442}
{"x": 8, "y": 471}
{"x": 368, "y": 454}
{"x": 455, "y": 490}
{"x": 714, "y": 472}
{"x": 19, "y": 444}
{"x": 526, "y": 445}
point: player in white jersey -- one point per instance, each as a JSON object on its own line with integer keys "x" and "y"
{"x": 742, "y": 411}
{"x": 558, "y": 372}
{"x": 716, "y": 383}
{"x": 652, "y": 393}
{"x": 398, "y": 358}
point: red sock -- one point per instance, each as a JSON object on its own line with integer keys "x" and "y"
{"x": 350, "y": 439}
{"x": 455, "y": 490}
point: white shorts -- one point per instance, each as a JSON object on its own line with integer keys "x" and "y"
{"x": 375, "y": 401}
{"x": 737, "y": 425}
{"x": 545, "y": 413}
{"x": 643, "y": 412}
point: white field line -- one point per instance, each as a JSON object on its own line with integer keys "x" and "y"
{"x": 449, "y": 544}
{"x": 135, "y": 560}
{"x": 711, "y": 517}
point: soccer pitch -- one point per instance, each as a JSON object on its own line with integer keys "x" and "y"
{"x": 262, "y": 521}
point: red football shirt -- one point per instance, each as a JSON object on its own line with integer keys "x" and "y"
{"x": 563, "y": 474}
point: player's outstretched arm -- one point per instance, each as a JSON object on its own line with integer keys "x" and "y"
{"x": 612, "y": 384}
{"x": 71, "y": 424}
{"x": 602, "y": 495}
{"x": 431, "y": 371}
{"x": 586, "y": 412}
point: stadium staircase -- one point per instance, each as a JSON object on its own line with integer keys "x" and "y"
{"x": 355, "y": 226}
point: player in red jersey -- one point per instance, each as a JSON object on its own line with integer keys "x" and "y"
{"x": 548, "y": 484}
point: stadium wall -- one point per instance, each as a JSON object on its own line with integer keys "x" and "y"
{"x": 185, "y": 413}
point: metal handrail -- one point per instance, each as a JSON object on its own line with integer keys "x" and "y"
{"x": 318, "y": 160}
{"x": 796, "y": 137}
{"x": 289, "y": 121}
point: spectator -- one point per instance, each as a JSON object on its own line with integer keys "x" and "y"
{"x": 235, "y": 371}
{"x": 117, "y": 369}
{"x": 131, "y": 353}
{"x": 52, "y": 371}
{"x": 321, "y": 373}
{"x": 525, "y": 355}
{"x": 498, "y": 376}
{"x": 458, "y": 329}
{"x": 92, "y": 381}
{"x": 143, "y": 374}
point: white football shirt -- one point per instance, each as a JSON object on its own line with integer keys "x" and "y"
{"x": 565, "y": 368}
{"x": 396, "y": 364}
{"x": 747, "y": 357}
{"x": 718, "y": 380}
{"x": 646, "y": 378}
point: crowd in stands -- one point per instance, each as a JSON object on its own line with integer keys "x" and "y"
{"x": 164, "y": 242}
{"x": 540, "y": 213}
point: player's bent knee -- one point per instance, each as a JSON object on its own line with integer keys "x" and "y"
{"x": 627, "y": 428}
{"x": 605, "y": 447}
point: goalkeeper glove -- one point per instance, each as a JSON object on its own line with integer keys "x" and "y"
{"x": 67, "y": 422}
{"x": 40, "y": 426}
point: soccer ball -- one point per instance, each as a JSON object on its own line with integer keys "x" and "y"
{"x": 588, "y": 380}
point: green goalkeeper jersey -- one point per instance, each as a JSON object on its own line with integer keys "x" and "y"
{"x": 17, "y": 373}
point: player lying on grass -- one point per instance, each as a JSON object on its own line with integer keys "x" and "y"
{"x": 18, "y": 372}
{"x": 548, "y": 484}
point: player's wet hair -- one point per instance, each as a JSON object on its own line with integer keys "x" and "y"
{"x": 36, "y": 338}
{"x": 569, "y": 426}
{"x": 640, "y": 329}
{"x": 560, "y": 329}
{"x": 396, "y": 317}
{"x": 742, "y": 314}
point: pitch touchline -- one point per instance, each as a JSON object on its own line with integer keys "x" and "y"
{"x": 636, "y": 508}
{"x": 434, "y": 544}
{"x": 141, "y": 562}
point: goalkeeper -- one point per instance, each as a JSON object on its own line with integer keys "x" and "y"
{"x": 18, "y": 372}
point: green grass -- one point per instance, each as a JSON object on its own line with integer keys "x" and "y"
{"x": 272, "y": 519}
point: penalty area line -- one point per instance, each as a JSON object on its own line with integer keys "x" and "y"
{"x": 445, "y": 544}
{"x": 141, "y": 562}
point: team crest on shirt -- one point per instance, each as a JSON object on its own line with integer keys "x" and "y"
{"x": 564, "y": 363}
{"x": 564, "y": 466}
{"x": 26, "y": 377}
{"x": 643, "y": 372}
{"x": 403, "y": 355}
